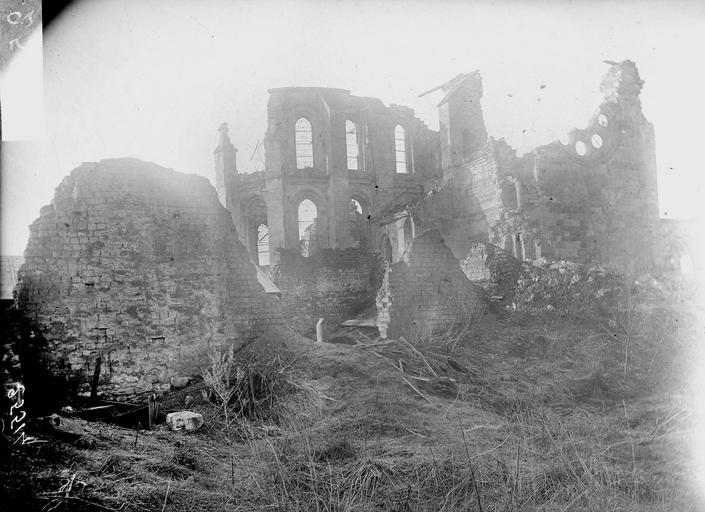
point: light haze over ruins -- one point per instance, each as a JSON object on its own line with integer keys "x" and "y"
{"x": 357, "y": 255}
{"x": 157, "y": 90}
{"x": 357, "y": 201}
{"x": 345, "y": 171}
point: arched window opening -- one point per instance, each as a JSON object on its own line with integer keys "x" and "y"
{"x": 263, "y": 245}
{"x": 307, "y": 215}
{"x": 408, "y": 234}
{"x": 357, "y": 224}
{"x": 385, "y": 247}
{"x": 254, "y": 217}
{"x": 400, "y": 149}
{"x": 351, "y": 142}
{"x": 355, "y": 206}
{"x": 404, "y": 237}
{"x": 304, "y": 143}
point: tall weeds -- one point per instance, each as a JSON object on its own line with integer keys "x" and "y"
{"x": 217, "y": 378}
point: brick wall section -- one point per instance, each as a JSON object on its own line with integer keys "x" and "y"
{"x": 141, "y": 266}
{"x": 333, "y": 284}
{"x": 427, "y": 291}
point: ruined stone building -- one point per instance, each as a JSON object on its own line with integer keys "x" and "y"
{"x": 134, "y": 270}
{"x": 343, "y": 171}
{"x": 332, "y": 157}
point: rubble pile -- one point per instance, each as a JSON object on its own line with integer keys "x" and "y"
{"x": 567, "y": 286}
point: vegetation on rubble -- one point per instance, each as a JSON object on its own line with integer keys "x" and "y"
{"x": 583, "y": 405}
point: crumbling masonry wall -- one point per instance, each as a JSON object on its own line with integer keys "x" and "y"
{"x": 141, "y": 267}
{"x": 426, "y": 291}
{"x": 497, "y": 271}
{"x": 332, "y": 179}
{"x": 333, "y": 284}
{"x": 599, "y": 191}
{"x": 589, "y": 197}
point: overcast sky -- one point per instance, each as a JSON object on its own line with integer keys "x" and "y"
{"x": 154, "y": 79}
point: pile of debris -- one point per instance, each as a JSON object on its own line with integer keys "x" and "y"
{"x": 569, "y": 287}
{"x": 494, "y": 269}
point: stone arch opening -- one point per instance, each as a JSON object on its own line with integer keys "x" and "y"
{"x": 307, "y": 220}
{"x": 352, "y": 146}
{"x": 400, "y": 150}
{"x": 359, "y": 227}
{"x": 385, "y": 249}
{"x": 406, "y": 235}
{"x": 303, "y": 134}
{"x": 254, "y": 216}
{"x": 263, "y": 245}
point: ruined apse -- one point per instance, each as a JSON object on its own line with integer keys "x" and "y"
{"x": 345, "y": 171}
{"x": 589, "y": 197}
{"x": 333, "y": 161}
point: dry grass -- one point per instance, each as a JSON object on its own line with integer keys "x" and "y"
{"x": 531, "y": 410}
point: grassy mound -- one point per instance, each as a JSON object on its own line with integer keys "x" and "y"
{"x": 535, "y": 408}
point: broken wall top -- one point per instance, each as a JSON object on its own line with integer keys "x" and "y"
{"x": 142, "y": 267}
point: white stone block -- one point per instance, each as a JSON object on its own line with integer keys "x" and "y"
{"x": 184, "y": 420}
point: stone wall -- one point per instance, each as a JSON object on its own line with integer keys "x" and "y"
{"x": 333, "y": 284}
{"x": 141, "y": 267}
{"x": 332, "y": 179}
{"x": 591, "y": 197}
{"x": 598, "y": 193}
{"x": 426, "y": 292}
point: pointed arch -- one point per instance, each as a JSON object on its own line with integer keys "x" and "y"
{"x": 359, "y": 228}
{"x": 385, "y": 249}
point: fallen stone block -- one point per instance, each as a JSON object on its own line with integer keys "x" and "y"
{"x": 179, "y": 382}
{"x": 184, "y": 420}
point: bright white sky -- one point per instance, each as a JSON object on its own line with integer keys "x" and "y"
{"x": 155, "y": 79}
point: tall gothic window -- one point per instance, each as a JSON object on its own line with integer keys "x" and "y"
{"x": 352, "y": 147}
{"x": 357, "y": 224}
{"x": 304, "y": 143}
{"x": 400, "y": 149}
